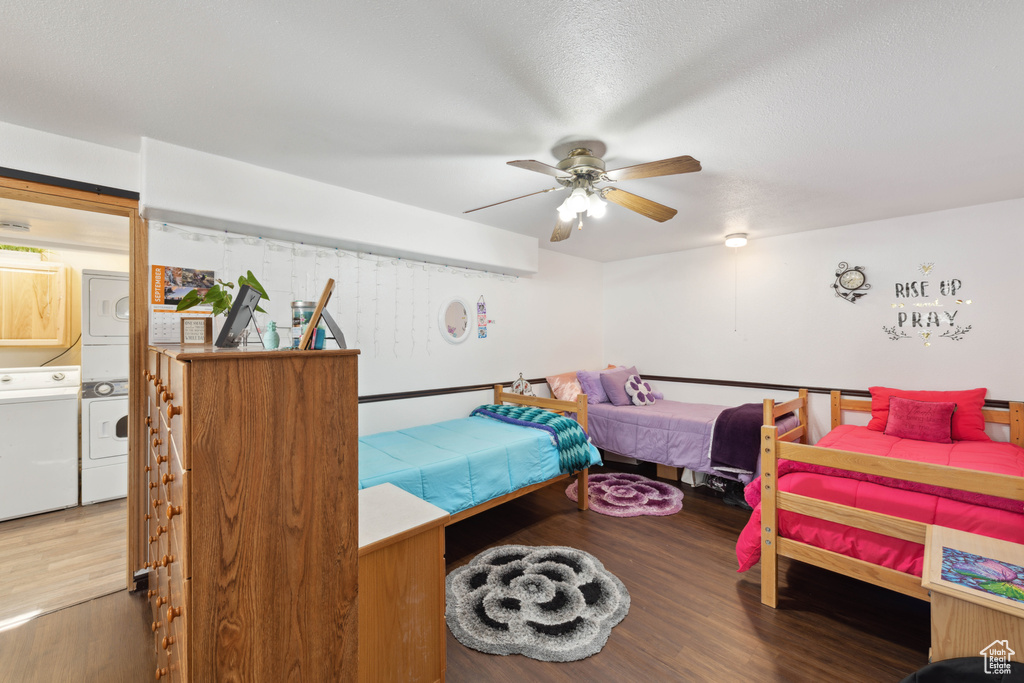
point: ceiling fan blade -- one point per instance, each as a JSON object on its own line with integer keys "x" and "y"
{"x": 645, "y": 207}
{"x": 652, "y": 169}
{"x": 540, "y": 167}
{"x": 563, "y": 230}
{"x": 550, "y": 189}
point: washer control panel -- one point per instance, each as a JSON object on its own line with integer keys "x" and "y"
{"x": 104, "y": 388}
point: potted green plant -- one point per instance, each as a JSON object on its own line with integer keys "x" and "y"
{"x": 219, "y": 297}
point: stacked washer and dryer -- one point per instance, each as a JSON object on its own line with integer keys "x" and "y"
{"x": 104, "y": 385}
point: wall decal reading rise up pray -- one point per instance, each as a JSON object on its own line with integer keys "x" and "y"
{"x": 928, "y": 310}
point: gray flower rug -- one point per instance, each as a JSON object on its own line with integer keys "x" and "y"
{"x": 551, "y": 603}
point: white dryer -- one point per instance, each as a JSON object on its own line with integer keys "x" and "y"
{"x": 104, "y": 385}
{"x": 104, "y": 307}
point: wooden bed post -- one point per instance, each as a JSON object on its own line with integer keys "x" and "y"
{"x": 837, "y": 411}
{"x": 583, "y": 476}
{"x": 497, "y": 394}
{"x": 1017, "y": 423}
{"x": 803, "y": 417}
{"x": 769, "y": 515}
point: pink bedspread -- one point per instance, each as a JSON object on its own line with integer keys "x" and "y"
{"x": 971, "y": 513}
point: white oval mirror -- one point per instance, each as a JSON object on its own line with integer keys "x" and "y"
{"x": 454, "y": 321}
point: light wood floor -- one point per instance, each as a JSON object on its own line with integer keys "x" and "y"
{"x": 61, "y": 558}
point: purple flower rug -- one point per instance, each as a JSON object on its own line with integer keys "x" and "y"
{"x": 630, "y": 495}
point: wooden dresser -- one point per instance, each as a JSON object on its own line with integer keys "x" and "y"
{"x": 253, "y": 513}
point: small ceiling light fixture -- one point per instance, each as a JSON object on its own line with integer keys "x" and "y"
{"x": 737, "y": 239}
{"x": 596, "y": 207}
{"x": 565, "y": 214}
{"x": 577, "y": 202}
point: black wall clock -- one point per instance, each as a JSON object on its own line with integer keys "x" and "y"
{"x": 851, "y": 283}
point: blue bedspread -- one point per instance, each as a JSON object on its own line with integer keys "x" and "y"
{"x": 460, "y": 463}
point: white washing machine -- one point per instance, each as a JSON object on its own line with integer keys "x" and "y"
{"x": 104, "y": 385}
{"x": 38, "y": 440}
{"x": 104, "y": 441}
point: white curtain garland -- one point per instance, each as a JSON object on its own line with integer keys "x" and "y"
{"x": 413, "y": 282}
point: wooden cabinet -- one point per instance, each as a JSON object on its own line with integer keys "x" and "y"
{"x": 252, "y": 515}
{"x": 401, "y": 587}
{"x": 33, "y": 304}
{"x": 966, "y": 620}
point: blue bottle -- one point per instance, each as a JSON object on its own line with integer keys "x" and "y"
{"x": 271, "y": 339}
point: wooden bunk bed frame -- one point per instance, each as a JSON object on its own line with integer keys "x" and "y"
{"x": 579, "y": 406}
{"x": 776, "y": 446}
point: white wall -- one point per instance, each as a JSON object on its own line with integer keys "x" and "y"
{"x": 25, "y": 149}
{"x": 187, "y": 186}
{"x": 76, "y": 259}
{"x": 767, "y": 313}
{"x": 544, "y": 324}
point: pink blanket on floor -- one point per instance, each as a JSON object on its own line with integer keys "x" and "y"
{"x": 977, "y": 513}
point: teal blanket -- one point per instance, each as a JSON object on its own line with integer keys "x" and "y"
{"x": 571, "y": 441}
{"x": 460, "y": 463}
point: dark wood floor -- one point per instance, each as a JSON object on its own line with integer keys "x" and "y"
{"x": 693, "y": 618}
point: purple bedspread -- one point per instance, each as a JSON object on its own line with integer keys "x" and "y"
{"x": 669, "y": 433}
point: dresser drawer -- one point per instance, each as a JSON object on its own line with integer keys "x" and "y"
{"x": 157, "y": 541}
{"x": 178, "y": 522}
{"x": 177, "y": 650}
{"x": 174, "y": 409}
{"x": 174, "y": 656}
{"x": 175, "y": 450}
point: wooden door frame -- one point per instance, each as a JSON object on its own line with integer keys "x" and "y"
{"x": 138, "y": 325}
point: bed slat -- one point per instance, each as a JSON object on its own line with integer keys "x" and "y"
{"x": 794, "y": 433}
{"x": 908, "y": 584}
{"x": 997, "y": 416}
{"x": 906, "y": 529}
{"x": 860, "y": 405}
{"x": 1000, "y": 485}
{"x": 788, "y": 407}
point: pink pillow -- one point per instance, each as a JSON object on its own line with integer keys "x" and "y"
{"x": 564, "y": 387}
{"x": 920, "y": 420}
{"x": 968, "y": 420}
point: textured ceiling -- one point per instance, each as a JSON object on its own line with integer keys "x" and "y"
{"x": 803, "y": 114}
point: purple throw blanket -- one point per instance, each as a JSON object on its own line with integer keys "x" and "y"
{"x": 735, "y": 442}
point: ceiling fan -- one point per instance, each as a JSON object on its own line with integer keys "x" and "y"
{"x": 580, "y": 170}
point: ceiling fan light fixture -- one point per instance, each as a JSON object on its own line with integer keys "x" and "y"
{"x": 565, "y": 213}
{"x": 577, "y": 202}
{"x": 737, "y": 239}
{"x": 596, "y": 207}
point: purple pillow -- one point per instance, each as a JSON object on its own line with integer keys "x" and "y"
{"x": 590, "y": 382}
{"x": 920, "y": 420}
{"x": 614, "y": 384}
